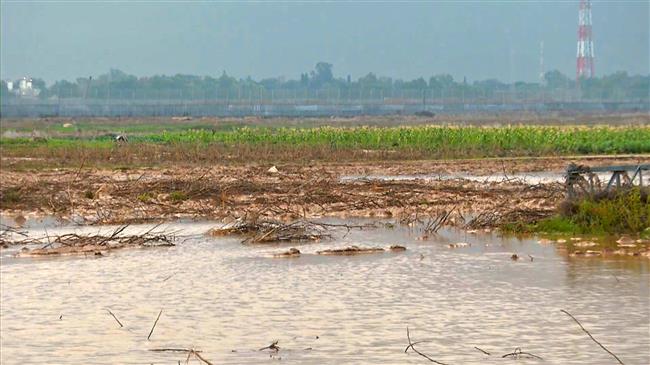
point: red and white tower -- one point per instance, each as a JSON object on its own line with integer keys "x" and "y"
{"x": 585, "y": 61}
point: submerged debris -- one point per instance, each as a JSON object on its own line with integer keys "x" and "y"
{"x": 585, "y": 244}
{"x": 292, "y": 252}
{"x": 397, "y": 248}
{"x": 6, "y": 232}
{"x": 266, "y": 231}
{"x": 273, "y": 347}
{"x": 351, "y": 250}
{"x": 74, "y": 244}
{"x": 499, "y": 218}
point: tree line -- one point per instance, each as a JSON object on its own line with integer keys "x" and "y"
{"x": 320, "y": 84}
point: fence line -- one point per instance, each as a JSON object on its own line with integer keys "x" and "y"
{"x": 74, "y": 107}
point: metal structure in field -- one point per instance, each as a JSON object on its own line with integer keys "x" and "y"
{"x": 585, "y": 57}
{"x": 585, "y": 180}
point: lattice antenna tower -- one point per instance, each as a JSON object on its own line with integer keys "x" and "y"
{"x": 585, "y": 59}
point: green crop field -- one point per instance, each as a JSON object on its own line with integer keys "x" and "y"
{"x": 485, "y": 141}
{"x": 334, "y": 143}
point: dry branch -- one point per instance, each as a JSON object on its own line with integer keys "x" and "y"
{"x": 267, "y": 231}
{"x": 6, "y": 232}
{"x": 411, "y": 345}
{"x": 517, "y": 354}
{"x": 154, "y": 325}
{"x": 273, "y": 346}
{"x": 592, "y": 337}
{"x": 483, "y": 351}
{"x": 73, "y": 243}
{"x": 189, "y": 352}
{"x": 352, "y": 250}
{"x": 434, "y": 224}
{"x": 117, "y": 320}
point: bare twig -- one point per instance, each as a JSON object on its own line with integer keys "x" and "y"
{"x": 190, "y": 352}
{"x": 592, "y": 337}
{"x": 178, "y": 349}
{"x": 411, "y": 343}
{"x": 168, "y": 277}
{"x": 436, "y": 223}
{"x": 198, "y": 356}
{"x": 518, "y": 353}
{"x": 154, "y": 325}
{"x": 483, "y": 351}
{"x": 117, "y": 320}
{"x": 274, "y": 346}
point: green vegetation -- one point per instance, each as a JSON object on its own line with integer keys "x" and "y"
{"x": 177, "y": 196}
{"x": 268, "y": 144}
{"x": 446, "y": 141}
{"x": 626, "y": 211}
{"x": 145, "y": 197}
{"x": 10, "y": 196}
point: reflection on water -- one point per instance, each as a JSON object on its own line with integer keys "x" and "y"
{"x": 531, "y": 178}
{"x": 230, "y": 300}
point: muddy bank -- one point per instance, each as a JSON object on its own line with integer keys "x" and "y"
{"x": 101, "y": 196}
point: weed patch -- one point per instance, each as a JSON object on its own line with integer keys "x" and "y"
{"x": 625, "y": 211}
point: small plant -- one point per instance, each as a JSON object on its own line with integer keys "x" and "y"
{"x": 177, "y": 196}
{"x": 145, "y": 197}
{"x": 10, "y": 196}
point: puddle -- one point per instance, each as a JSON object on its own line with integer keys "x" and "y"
{"x": 531, "y": 178}
{"x": 229, "y": 300}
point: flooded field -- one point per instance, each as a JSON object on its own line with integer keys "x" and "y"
{"x": 456, "y": 290}
{"x": 530, "y": 178}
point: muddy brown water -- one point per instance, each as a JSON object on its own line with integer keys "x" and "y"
{"x": 229, "y": 300}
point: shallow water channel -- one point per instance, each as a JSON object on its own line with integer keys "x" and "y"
{"x": 229, "y": 300}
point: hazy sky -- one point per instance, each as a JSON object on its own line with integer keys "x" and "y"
{"x": 479, "y": 40}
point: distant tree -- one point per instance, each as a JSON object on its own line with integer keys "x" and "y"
{"x": 226, "y": 82}
{"x": 417, "y": 84}
{"x": 556, "y": 80}
{"x": 40, "y": 87}
{"x": 116, "y": 84}
{"x": 4, "y": 91}
{"x": 65, "y": 89}
{"x": 322, "y": 74}
{"x": 441, "y": 82}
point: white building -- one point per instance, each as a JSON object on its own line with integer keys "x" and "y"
{"x": 25, "y": 87}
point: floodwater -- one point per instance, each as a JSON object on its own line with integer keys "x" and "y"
{"x": 230, "y": 300}
{"x": 531, "y": 178}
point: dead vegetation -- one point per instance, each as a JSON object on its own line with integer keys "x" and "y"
{"x": 76, "y": 244}
{"x": 270, "y": 231}
{"x": 292, "y": 252}
{"x": 351, "y": 250}
{"x": 122, "y": 196}
{"x": 7, "y": 233}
